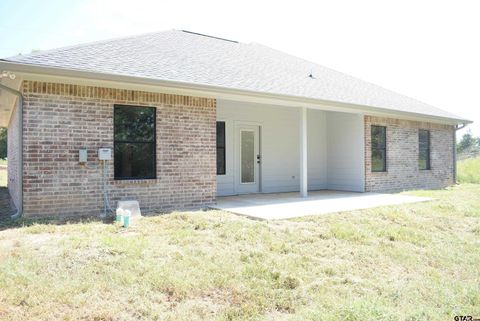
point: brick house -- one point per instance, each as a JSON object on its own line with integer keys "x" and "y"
{"x": 182, "y": 118}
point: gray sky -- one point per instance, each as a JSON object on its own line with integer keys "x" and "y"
{"x": 428, "y": 50}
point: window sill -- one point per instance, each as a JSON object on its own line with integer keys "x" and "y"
{"x": 142, "y": 181}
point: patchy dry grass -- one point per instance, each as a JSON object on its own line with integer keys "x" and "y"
{"x": 412, "y": 262}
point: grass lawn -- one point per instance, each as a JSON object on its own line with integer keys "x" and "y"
{"x": 3, "y": 177}
{"x": 412, "y": 262}
{"x": 469, "y": 170}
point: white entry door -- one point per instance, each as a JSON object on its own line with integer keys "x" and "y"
{"x": 247, "y": 168}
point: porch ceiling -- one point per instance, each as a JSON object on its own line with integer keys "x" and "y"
{"x": 7, "y": 100}
{"x": 276, "y": 206}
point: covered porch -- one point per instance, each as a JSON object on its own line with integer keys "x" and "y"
{"x": 281, "y": 162}
{"x": 271, "y": 148}
{"x": 274, "y": 206}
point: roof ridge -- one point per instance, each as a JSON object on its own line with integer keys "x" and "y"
{"x": 209, "y": 36}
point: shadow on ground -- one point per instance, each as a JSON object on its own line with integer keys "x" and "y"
{"x": 8, "y": 223}
{"x": 7, "y": 209}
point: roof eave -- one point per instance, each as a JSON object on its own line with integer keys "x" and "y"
{"x": 304, "y": 101}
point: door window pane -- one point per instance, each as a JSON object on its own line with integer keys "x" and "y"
{"x": 248, "y": 156}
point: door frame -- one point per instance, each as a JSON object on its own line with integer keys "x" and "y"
{"x": 236, "y": 155}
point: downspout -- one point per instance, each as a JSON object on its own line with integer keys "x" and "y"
{"x": 457, "y": 127}
{"x": 17, "y": 93}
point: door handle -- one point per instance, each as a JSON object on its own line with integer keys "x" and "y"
{"x": 258, "y": 159}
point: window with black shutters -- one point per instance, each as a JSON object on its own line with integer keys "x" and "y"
{"x": 423, "y": 149}
{"x": 220, "y": 148}
{"x": 379, "y": 148}
{"x": 134, "y": 142}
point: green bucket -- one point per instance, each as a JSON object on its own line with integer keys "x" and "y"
{"x": 126, "y": 221}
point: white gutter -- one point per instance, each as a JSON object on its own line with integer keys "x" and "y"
{"x": 17, "y": 93}
{"x": 213, "y": 91}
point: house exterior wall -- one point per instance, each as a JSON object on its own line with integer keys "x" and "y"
{"x": 345, "y": 152}
{"x": 60, "y": 119}
{"x": 12, "y": 154}
{"x": 280, "y": 148}
{"x": 402, "y": 156}
{"x": 316, "y": 149}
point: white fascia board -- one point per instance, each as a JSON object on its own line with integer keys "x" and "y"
{"x": 42, "y": 73}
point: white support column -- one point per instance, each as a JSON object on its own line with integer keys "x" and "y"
{"x": 303, "y": 153}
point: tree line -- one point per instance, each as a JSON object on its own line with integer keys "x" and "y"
{"x": 468, "y": 144}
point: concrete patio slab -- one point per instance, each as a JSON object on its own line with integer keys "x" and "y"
{"x": 276, "y": 206}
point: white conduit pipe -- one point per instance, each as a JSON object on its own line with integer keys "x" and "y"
{"x": 106, "y": 201}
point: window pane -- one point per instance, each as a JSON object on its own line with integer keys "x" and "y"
{"x": 378, "y": 137}
{"x": 134, "y": 124}
{"x": 220, "y": 134}
{"x": 220, "y": 148}
{"x": 423, "y": 149}
{"x": 378, "y": 148}
{"x": 135, "y": 160}
{"x": 422, "y": 160}
{"x": 248, "y": 156}
{"x": 423, "y": 139}
{"x": 423, "y": 135}
{"x": 423, "y": 144}
{"x": 378, "y": 160}
{"x": 220, "y": 161}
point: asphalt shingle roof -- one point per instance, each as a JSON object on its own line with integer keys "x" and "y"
{"x": 182, "y": 56}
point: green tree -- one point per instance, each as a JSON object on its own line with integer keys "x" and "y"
{"x": 467, "y": 142}
{"x": 3, "y": 143}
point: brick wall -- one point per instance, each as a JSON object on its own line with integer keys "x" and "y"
{"x": 402, "y": 156}
{"x": 60, "y": 119}
{"x": 12, "y": 154}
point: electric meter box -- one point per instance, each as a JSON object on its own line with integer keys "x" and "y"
{"x": 105, "y": 154}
